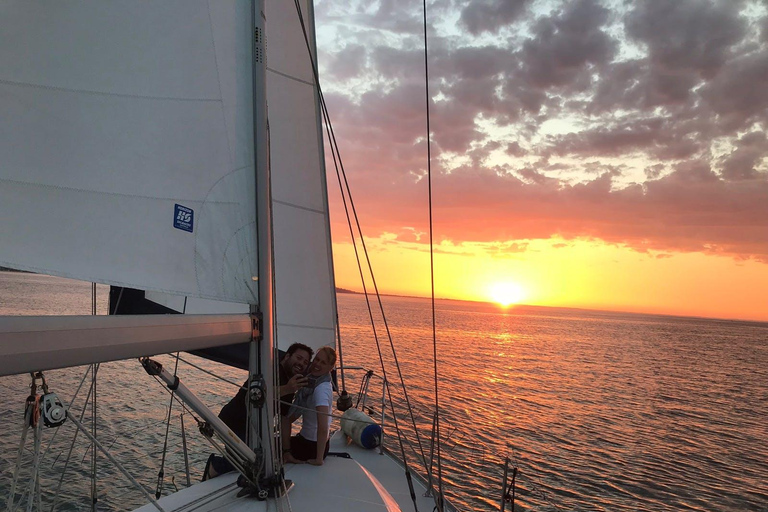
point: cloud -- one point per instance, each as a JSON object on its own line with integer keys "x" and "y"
{"x": 565, "y": 46}
{"x": 737, "y": 96}
{"x": 490, "y": 15}
{"x": 686, "y": 35}
{"x": 742, "y": 162}
{"x": 639, "y": 123}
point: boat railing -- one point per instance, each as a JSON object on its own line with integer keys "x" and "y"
{"x": 363, "y": 396}
{"x": 456, "y": 443}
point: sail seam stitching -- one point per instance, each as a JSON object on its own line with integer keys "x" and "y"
{"x": 118, "y": 194}
{"x": 102, "y": 93}
{"x": 290, "y": 77}
{"x": 298, "y": 207}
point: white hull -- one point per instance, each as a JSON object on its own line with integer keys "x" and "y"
{"x": 369, "y": 481}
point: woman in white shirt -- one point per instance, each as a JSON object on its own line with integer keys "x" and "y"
{"x": 314, "y": 404}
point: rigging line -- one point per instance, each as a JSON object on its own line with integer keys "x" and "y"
{"x": 117, "y": 464}
{"x": 432, "y": 263}
{"x": 12, "y": 495}
{"x": 94, "y": 495}
{"x": 72, "y": 400}
{"x": 117, "y": 302}
{"x": 341, "y": 356}
{"x": 193, "y": 365}
{"x": 400, "y": 435}
{"x": 335, "y": 151}
{"x": 186, "y": 453}
{"x": 161, "y": 473}
{"x": 384, "y": 319}
{"x": 339, "y": 173}
{"x": 174, "y": 397}
{"x": 72, "y": 445}
{"x": 37, "y": 479}
{"x": 327, "y": 118}
{"x": 340, "y": 166}
{"x": 35, "y": 476}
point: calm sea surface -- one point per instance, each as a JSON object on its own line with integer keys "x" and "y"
{"x": 598, "y": 411}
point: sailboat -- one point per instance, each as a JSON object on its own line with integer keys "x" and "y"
{"x": 173, "y": 150}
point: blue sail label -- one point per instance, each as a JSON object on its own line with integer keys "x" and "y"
{"x": 183, "y": 218}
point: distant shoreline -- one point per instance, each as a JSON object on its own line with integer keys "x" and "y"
{"x": 572, "y": 308}
{"x": 524, "y": 306}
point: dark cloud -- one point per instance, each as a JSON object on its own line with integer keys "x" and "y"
{"x": 658, "y": 137}
{"x": 764, "y": 30}
{"x": 738, "y": 96}
{"x": 347, "y": 63}
{"x": 678, "y": 99}
{"x": 691, "y": 209}
{"x": 490, "y": 15}
{"x": 612, "y": 140}
{"x": 623, "y": 87}
{"x": 514, "y": 149}
{"x": 653, "y": 172}
{"x": 686, "y": 35}
{"x": 564, "y": 46}
{"x": 741, "y": 164}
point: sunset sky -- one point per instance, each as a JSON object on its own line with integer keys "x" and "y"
{"x": 590, "y": 153}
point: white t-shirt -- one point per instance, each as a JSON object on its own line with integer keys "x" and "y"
{"x": 322, "y": 396}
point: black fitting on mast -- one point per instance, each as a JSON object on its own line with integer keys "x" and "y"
{"x": 257, "y": 322}
{"x": 257, "y": 393}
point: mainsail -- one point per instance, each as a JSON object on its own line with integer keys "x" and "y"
{"x": 304, "y": 287}
{"x": 126, "y": 144}
{"x": 127, "y": 155}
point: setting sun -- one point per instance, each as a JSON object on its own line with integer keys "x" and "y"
{"x": 507, "y": 294}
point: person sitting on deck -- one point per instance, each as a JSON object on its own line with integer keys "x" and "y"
{"x": 314, "y": 403}
{"x": 234, "y": 414}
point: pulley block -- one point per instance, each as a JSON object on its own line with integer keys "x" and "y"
{"x": 52, "y": 410}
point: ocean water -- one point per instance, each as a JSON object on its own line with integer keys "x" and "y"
{"x": 597, "y": 411}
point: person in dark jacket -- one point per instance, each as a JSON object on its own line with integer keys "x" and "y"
{"x": 234, "y": 414}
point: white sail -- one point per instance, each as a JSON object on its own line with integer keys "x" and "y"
{"x": 126, "y": 144}
{"x": 305, "y": 295}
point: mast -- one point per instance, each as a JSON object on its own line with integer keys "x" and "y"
{"x": 262, "y": 349}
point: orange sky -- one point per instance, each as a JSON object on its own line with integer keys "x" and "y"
{"x": 599, "y": 154}
{"x": 582, "y": 274}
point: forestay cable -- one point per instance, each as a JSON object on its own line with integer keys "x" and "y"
{"x": 346, "y": 192}
{"x": 432, "y": 264}
{"x": 341, "y": 173}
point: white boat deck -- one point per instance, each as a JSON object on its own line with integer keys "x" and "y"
{"x": 367, "y": 482}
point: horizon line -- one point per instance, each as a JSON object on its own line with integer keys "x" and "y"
{"x": 577, "y": 308}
